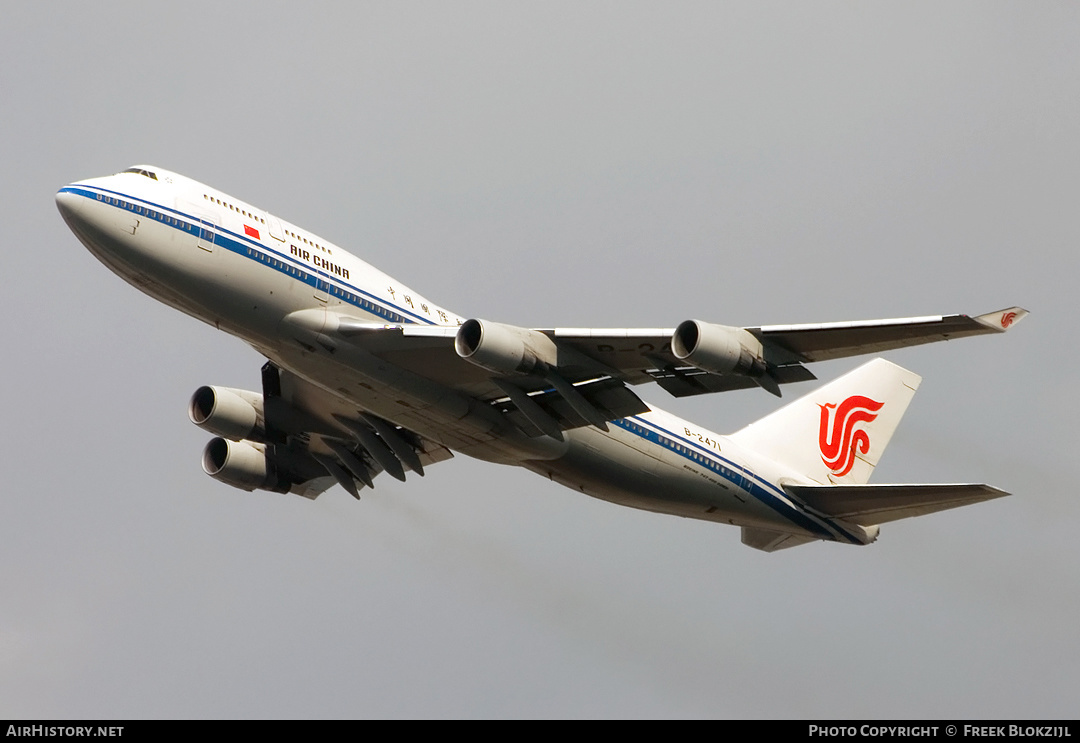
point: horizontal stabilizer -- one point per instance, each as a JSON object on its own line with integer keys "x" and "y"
{"x": 868, "y": 505}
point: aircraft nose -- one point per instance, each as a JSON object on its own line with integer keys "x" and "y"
{"x": 69, "y": 205}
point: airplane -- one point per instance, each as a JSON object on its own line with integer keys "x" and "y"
{"x": 364, "y": 375}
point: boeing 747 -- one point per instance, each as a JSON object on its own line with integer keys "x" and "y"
{"x": 364, "y": 375}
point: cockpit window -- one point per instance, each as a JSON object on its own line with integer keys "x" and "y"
{"x": 140, "y": 171}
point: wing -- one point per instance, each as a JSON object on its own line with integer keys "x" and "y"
{"x": 668, "y": 356}
{"x": 296, "y": 437}
{"x": 802, "y": 343}
{"x": 353, "y": 447}
{"x": 550, "y": 380}
{"x": 569, "y": 392}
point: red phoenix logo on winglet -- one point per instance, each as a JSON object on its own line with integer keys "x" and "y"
{"x": 838, "y": 445}
{"x": 1007, "y": 319}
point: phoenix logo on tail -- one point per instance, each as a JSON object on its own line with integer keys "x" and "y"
{"x": 838, "y": 445}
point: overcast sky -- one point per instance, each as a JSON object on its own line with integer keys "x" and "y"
{"x": 545, "y": 164}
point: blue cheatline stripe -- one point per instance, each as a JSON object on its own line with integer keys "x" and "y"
{"x": 246, "y": 247}
{"x": 751, "y": 483}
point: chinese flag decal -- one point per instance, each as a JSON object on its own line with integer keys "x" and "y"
{"x": 251, "y": 232}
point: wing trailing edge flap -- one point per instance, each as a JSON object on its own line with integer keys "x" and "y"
{"x": 688, "y": 381}
{"x": 355, "y": 460}
{"x": 767, "y": 540}
{"x": 551, "y": 411}
{"x": 869, "y": 505}
{"x": 346, "y": 446}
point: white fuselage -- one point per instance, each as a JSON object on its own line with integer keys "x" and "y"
{"x": 251, "y": 274}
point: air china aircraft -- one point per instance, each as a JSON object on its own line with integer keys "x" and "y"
{"x": 365, "y": 375}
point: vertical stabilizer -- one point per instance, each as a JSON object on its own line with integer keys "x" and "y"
{"x": 837, "y": 433}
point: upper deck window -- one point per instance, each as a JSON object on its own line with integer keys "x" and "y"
{"x": 140, "y": 171}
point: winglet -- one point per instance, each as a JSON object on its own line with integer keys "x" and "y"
{"x": 1002, "y": 320}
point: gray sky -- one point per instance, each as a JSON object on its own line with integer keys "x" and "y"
{"x": 606, "y": 164}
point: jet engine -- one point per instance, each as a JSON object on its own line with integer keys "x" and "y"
{"x": 505, "y": 349}
{"x": 243, "y": 464}
{"x": 234, "y": 414}
{"x": 719, "y": 349}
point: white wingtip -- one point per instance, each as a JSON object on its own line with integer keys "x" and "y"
{"x": 1002, "y": 320}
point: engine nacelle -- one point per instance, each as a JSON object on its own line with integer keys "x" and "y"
{"x": 234, "y": 414}
{"x": 505, "y": 349}
{"x": 718, "y": 348}
{"x": 242, "y": 464}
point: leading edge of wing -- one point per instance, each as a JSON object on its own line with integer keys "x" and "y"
{"x": 825, "y": 341}
{"x": 869, "y": 505}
